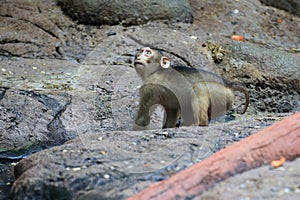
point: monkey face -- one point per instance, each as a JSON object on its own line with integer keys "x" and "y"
{"x": 147, "y": 61}
{"x": 144, "y": 56}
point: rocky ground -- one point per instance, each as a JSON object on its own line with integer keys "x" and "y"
{"x": 67, "y": 82}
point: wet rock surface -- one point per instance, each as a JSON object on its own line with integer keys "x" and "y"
{"x": 63, "y": 81}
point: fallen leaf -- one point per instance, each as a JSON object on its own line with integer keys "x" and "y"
{"x": 278, "y": 163}
{"x": 237, "y": 37}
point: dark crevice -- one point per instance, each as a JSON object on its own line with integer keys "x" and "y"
{"x": 2, "y": 92}
{"x": 58, "y": 51}
{"x": 42, "y": 28}
{"x": 15, "y": 41}
{"x": 55, "y": 127}
{"x": 8, "y": 54}
{"x": 9, "y": 16}
{"x": 45, "y": 30}
{"x": 39, "y": 8}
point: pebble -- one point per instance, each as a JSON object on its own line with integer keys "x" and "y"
{"x": 236, "y": 11}
{"x": 106, "y": 176}
{"x": 100, "y": 138}
{"x": 103, "y": 152}
{"x": 134, "y": 143}
{"x": 75, "y": 169}
{"x": 287, "y": 190}
{"x": 165, "y": 133}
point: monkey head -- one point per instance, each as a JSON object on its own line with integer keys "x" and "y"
{"x": 147, "y": 61}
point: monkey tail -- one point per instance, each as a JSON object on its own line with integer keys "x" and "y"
{"x": 242, "y": 88}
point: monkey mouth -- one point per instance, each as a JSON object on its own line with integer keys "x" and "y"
{"x": 138, "y": 63}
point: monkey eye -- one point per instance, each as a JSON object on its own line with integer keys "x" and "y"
{"x": 148, "y": 53}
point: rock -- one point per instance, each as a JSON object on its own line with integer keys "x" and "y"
{"x": 273, "y": 88}
{"x": 30, "y": 121}
{"x": 265, "y": 181}
{"x": 237, "y": 158}
{"x": 104, "y": 88}
{"x": 86, "y": 75}
{"x": 292, "y": 6}
{"x": 99, "y": 12}
{"x": 31, "y": 29}
{"x": 60, "y": 101}
{"x": 117, "y": 164}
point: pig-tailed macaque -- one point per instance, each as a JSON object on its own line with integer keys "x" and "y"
{"x": 197, "y": 96}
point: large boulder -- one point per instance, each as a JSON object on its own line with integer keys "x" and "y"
{"x": 292, "y": 6}
{"x": 124, "y": 12}
{"x": 118, "y": 164}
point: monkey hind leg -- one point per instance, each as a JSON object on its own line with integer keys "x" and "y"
{"x": 172, "y": 116}
{"x": 202, "y": 105}
{"x": 204, "y": 115}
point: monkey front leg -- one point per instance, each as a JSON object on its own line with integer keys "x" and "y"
{"x": 142, "y": 119}
{"x": 143, "y": 115}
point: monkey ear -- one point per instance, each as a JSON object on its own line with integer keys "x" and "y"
{"x": 165, "y": 62}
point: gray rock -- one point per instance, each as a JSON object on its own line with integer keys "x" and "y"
{"x": 40, "y": 31}
{"x": 118, "y": 164}
{"x": 292, "y": 6}
{"x": 104, "y": 88}
{"x": 124, "y": 12}
{"x": 265, "y": 181}
{"x": 30, "y": 121}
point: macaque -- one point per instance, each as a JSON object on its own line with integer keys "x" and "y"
{"x": 197, "y": 96}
